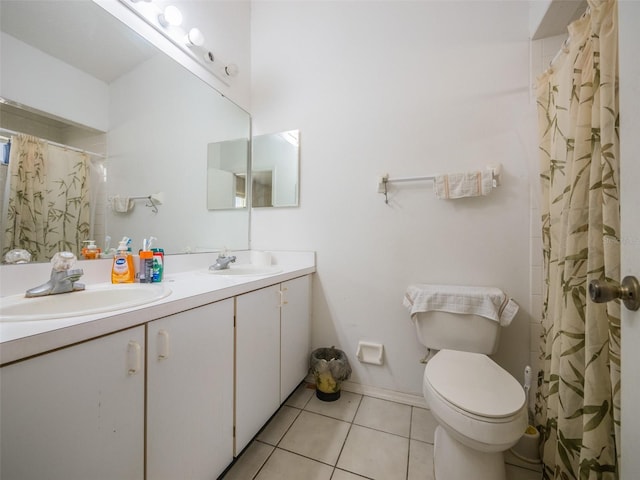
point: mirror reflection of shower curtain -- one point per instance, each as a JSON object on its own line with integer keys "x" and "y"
{"x": 48, "y": 208}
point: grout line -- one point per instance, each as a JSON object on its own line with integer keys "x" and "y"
{"x": 344, "y": 442}
{"x": 266, "y": 459}
{"x": 409, "y": 449}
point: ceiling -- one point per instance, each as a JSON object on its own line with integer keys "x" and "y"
{"x": 80, "y": 33}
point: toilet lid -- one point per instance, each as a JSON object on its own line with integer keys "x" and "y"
{"x": 474, "y": 383}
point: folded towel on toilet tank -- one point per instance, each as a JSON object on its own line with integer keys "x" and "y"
{"x": 487, "y": 302}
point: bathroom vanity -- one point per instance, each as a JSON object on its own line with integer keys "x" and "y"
{"x": 155, "y": 391}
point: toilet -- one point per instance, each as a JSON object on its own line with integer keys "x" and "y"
{"x": 480, "y": 408}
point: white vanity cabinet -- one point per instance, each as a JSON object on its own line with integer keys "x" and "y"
{"x": 295, "y": 334}
{"x": 272, "y": 352}
{"x": 75, "y": 413}
{"x": 190, "y": 393}
{"x": 111, "y": 398}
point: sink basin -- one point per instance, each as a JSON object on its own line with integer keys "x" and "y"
{"x": 248, "y": 269}
{"x": 97, "y": 299}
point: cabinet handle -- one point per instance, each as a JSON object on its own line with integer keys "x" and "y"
{"x": 163, "y": 344}
{"x": 134, "y": 356}
{"x": 283, "y": 302}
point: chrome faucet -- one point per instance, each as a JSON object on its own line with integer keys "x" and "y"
{"x": 63, "y": 278}
{"x": 222, "y": 262}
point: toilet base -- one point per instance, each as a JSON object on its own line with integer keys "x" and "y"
{"x": 454, "y": 461}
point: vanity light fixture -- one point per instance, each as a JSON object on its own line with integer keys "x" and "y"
{"x": 171, "y": 17}
{"x": 194, "y": 38}
{"x": 189, "y": 39}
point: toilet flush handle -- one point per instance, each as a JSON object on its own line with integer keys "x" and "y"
{"x": 628, "y": 291}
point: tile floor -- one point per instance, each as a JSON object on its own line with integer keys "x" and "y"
{"x": 356, "y": 437}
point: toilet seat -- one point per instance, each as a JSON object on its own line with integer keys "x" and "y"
{"x": 478, "y": 402}
{"x": 475, "y": 384}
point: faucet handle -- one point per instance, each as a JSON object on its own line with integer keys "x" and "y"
{"x": 17, "y": 255}
{"x": 63, "y": 261}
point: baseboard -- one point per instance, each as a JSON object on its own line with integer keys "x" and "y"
{"x": 384, "y": 394}
{"x": 381, "y": 393}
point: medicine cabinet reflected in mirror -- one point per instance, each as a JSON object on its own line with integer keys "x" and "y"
{"x": 150, "y": 120}
{"x": 227, "y": 166}
{"x": 275, "y": 169}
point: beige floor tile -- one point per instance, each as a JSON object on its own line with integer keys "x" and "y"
{"x": 420, "y": 461}
{"x": 249, "y": 462}
{"x": 422, "y": 425}
{"x": 390, "y": 417}
{"x": 343, "y": 409}
{"x": 316, "y": 436}
{"x": 284, "y": 465}
{"x": 278, "y": 426}
{"x": 375, "y": 454}
{"x": 300, "y": 396}
{"x": 342, "y": 475}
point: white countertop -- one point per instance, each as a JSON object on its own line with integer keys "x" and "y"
{"x": 191, "y": 286}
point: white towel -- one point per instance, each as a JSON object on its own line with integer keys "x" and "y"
{"x": 488, "y": 302}
{"x": 121, "y": 204}
{"x": 465, "y": 184}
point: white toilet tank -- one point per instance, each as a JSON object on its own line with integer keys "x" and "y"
{"x": 453, "y": 331}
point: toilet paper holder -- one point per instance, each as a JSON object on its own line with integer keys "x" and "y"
{"x": 369, "y": 352}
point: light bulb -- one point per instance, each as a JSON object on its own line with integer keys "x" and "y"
{"x": 194, "y": 38}
{"x": 171, "y": 17}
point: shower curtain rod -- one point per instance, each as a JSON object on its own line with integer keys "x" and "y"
{"x": 61, "y": 145}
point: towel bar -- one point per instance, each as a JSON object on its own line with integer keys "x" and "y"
{"x": 384, "y": 180}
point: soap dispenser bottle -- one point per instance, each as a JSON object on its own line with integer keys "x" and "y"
{"x": 91, "y": 251}
{"x": 122, "y": 270}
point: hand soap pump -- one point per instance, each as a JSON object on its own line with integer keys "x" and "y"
{"x": 122, "y": 270}
{"x": 91, "y": 251}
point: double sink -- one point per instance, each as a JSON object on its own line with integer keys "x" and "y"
{"x": 103, "y": 298}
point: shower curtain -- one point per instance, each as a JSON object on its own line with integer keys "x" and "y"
{"x": 578, "y": 398}
{"x": 48, "y": 207}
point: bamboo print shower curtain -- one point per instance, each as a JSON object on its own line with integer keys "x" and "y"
{"x": 578, "y": 397}
{"x": 48, "y": 208}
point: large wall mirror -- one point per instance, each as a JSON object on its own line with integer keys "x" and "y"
{"x": 77, "y": 78}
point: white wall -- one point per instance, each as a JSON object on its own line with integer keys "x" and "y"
{"x": 68, "y": 93}
{"x": 408, "y": 88}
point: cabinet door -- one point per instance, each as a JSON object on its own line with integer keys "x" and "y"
{"x": 76, "y": 413}
{"x": 295, "y": 334}
{"x": 257, "y": 361}
{"x": 190, "y": 393}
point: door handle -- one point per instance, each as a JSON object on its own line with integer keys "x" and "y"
{"x": 628, "y": 291}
